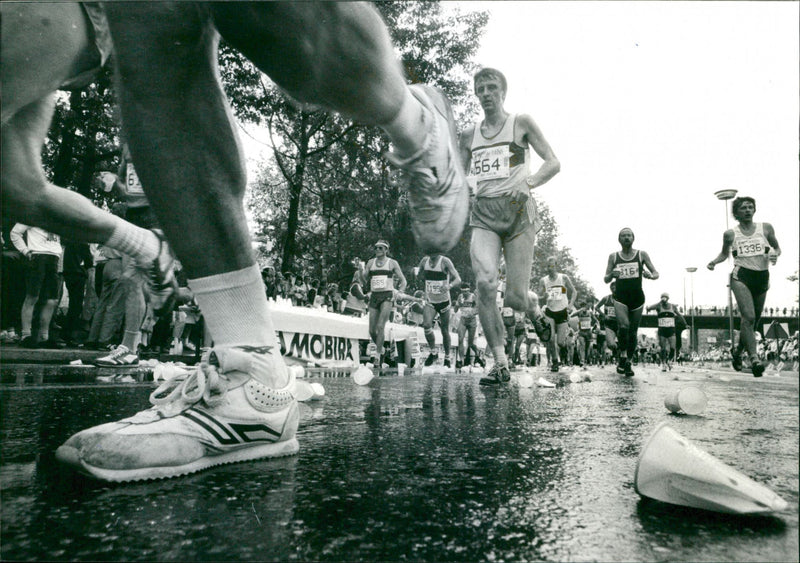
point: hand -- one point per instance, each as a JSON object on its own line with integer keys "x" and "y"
{"x": 710, "y": 266}
{"x": 773, "y": 258}
{"x": 615, "y": 273}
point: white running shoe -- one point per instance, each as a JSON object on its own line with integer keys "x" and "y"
{"x": 438, "y": 193}
{"x": 119, "y": 357}
{"x": 218, "y": 413}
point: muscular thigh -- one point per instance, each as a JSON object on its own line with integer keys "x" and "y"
{"x": 485, "y": 254}
{"x": 519, "y": 258}
{"x": 43, "y": 44}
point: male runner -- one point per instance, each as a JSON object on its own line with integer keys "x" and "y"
{"x": 378, "y": 275}
{"x": 628, "y": 267}
{"x": 496, "y": 151}
{"x": 586, "y": 323}
{"x": 181, "y": 135}
{"x": 560, "y": 294}
{"x": 440, "y": 276}
{"x": 667, "y": 320}
{"x": 467, "y": 305}
{"x": 754, "y": 248}
{"x": 608, "y": 325}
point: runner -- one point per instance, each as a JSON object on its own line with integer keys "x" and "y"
{"x": 179, "y": 128}
{"x": 467, "y": 304}
{"x": 440, "y": 276}
{"x": 628, "y": 267}
{"x": 587, "y": 321}
{"x": 754, "y": 247}
{"x": 496, "y": 151}
{"x": 667, "y": 320}
{"x": 608, "y": 326}
{"x": 378, "y": 275}
{"x": 561, "y": 295}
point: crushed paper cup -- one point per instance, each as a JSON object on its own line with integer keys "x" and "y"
{"x": 525, "y": 380}
{"x": 575, "y": 377}
{"x": 401, "y": 370}
{"x": 674, "y": 470}
{"x": 303, "y": 391}
{"x": 690, "y": 400}
{"x": 363, "y": 375}
{"x": 319, "y": 391}
{"x": 76, "y": 363}
{"x": 542, "y": 382}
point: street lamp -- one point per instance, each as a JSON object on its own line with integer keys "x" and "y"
{"x": 692, "y": 338}
{"x": 725, "y": 195}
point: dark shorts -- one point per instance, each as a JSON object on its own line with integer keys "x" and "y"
{"x": 666, "y": 332}
{"x": 42, "y": 279}
{"x": 586, "y": 335}
{"x": 757, "y": 281}
{"x": 439, "y": 307}
{"x": 377, "y": 298}
{"x": 505, "y": 216}
{"x": 632, "y": 299}
{"x": 559, "y": 317}
{"x": 610, "y": 325}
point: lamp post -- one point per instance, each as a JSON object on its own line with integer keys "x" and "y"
{"x": 692, "y": 339}
{"x": 725, "y": 195}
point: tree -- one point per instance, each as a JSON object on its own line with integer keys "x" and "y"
{"x": 339, "y": 190}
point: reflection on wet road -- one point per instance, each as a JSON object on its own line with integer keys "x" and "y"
{"x": 429, "y": 467}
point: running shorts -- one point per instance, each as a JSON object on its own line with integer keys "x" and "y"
{"x": 439, "y": 307}
{"x": 41, "y": 279}
{"x": 376, "y": 298}
{"x": 757, "y": 281}
{"x": 666, "y": 332}
{"x": 559, "y": 317}
{"x": 506, "y": 216}
{"x": 632, "y": 299}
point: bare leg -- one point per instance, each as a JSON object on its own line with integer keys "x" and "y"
{"x": 485, "y": 254}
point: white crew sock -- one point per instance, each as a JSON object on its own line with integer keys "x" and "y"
{"x": 234, "y": 306}
{"x": 499, "y": 353}
{"x": 134, "y": 241}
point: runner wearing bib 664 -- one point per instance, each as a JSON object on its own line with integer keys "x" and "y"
{"x": 754, "y": 248}
{"x": 496, "y": 154}
{"x": 378, "y": 276}
{"x": 628, "y": 267}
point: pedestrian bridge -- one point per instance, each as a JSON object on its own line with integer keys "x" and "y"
{"x": 721, "y": 322}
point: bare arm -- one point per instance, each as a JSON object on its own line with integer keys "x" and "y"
{"x": 611, "y": 274}
{"x": 727, "y": 242}
{"x": 465, "y": 146}
{"x": 769, "y": 232}
{"x": 571, "y": 291}
{"x": 535, "y": 138}
{"x": 396, "y": 269}
{"x": 651, "y": 271}
{"x": 455, "y": 279}
{"x": 17, "y": 237}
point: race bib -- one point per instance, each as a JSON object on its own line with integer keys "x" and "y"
{"x": 491, "y": 163}
{"x": 586, "y": 324}
{"x": 507, "y": 312}
{"x": 666, "y": 322}
{"x": 611, "y": 312}
{"x": 556, "y": 292}
{"x": 380, "y": 283}
{"x": 134, "y": 186}
{"x": 750, "y": 247}
{"x": 628, "y": 270}
{"x": 435, "y": 287}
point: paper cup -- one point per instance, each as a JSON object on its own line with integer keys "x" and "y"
{"x": 401, "y": 370}
{"x": 303, "y": 391}
{"x": 319, "y": 391}
{"x": 575, "y": 377}
{"x": 363, "y": 375}
{"x": 674, "y": 470}
{"x": 542, "y": 382}
{"x": 690, "y": 400}
{"x": 525, "y": 380}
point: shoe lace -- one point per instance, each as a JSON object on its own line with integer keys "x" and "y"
{"x": 203, "y": 383}
{"x": 118, "y": 352}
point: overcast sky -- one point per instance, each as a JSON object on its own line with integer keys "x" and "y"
{"x": 652, "y": 107}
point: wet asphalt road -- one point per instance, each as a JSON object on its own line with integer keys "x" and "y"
{"x": 425, "y": 467}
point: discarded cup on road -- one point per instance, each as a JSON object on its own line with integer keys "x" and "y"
{"x": 690, "y": 400}
{"x": 542, "y": 382}
{"x": 525, "y": 380}
{"x": 674, "y": 470}
{"x": 575, "y": 377}
{"x": 303, "y": 390}
{"x": 363, "y": 375}
{"x": 319, "y": 391}
{"x": 401, "y": 370}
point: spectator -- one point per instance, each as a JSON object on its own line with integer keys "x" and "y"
{"x": 13, "y": 268}
{"x": 43, "y": 250}
{"x": 77, "y": 263}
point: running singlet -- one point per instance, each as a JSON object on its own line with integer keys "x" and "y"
{"x": 437, "y": 281}
{"x": 380, "y": 278}
{"x": 467, "y": 305}
{"x": 584, "y": 321}
{"x": 498, "y": 163}
{"x": 751, "y": 251}
{"x": 556, "y": 293}
{"x": 630, "y": 273}
{"x": 666, "y": 320}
